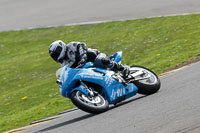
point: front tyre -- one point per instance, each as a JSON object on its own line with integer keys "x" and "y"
{"x": 95, "y": 105}
{"x": 149, "y": 85}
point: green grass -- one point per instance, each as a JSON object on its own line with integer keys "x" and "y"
{"x": 27, "y": 70}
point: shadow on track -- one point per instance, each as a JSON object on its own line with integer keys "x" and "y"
{"x": 126, "y": 102}
{"x": 66, "y": 123}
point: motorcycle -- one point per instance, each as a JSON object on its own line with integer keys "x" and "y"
{"x": 92, "y": 89}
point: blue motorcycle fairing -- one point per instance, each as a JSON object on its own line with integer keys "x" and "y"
{"x": 112, "y": 89}
{"x": 89, "y": 64}
{"x": 117, "y": 57}
{"x": 81, "y": 88}
{"x": 71, "y": 76}
{"x": 115, "y": 92}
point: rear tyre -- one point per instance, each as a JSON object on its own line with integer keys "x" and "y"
{"x": 95, "y": 105}
{"x": 147, "y": 86}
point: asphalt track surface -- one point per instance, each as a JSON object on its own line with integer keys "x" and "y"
{"x": 20, "y": 14}
{"x": 174, "y": 109}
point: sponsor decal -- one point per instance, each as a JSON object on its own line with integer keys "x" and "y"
{"x": 119, "y": 92}
{"x": 109, "y": 81}
{"x": 91, "y": 77}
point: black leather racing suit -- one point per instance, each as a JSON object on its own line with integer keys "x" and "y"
{"x": 78, "y": 54}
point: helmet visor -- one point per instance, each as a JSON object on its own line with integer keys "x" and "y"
{"x": 56, "y": 53}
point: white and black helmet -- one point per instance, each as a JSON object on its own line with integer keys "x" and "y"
{"x": 57, "y": 50}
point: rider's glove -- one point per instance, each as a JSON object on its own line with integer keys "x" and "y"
{"x": 81, "y": 63}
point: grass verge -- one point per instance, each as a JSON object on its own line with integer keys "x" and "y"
{"x": 27, "y": 89}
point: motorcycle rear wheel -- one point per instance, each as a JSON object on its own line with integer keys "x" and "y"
{"x": 147, "y": 86}
{"x": 95, "y": 105}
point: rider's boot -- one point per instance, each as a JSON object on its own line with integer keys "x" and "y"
{"x": 124, "y": 69}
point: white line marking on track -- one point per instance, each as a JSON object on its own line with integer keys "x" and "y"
{"x": 104, "y": 21}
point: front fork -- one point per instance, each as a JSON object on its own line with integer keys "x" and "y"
{"x": 91, "y": 93}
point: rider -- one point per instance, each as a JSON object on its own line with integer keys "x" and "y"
{"x": 77, "y": 54}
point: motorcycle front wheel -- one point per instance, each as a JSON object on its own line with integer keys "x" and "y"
{"x": 95, "y": 105}
{"x": 149, "y": 85}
